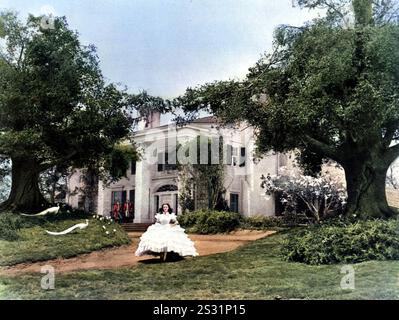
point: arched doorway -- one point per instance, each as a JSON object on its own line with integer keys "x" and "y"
{"x": 167, "y": 193}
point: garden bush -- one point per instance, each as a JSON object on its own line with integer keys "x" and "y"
{"x": 343, "y": 241}
{"x": 287, "y": 220}
{"x": 10, "y": 224}
{"x": 262, "y": 222}
{"x": 317, "y": 197}
{"x": 294, "y": 219}
{"x": 210, "y": 222}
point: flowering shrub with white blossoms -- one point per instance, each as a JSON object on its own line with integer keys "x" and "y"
{"x": 321, "y": 196}
{"x": 107, "y": 223}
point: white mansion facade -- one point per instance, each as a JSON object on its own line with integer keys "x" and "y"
{"x": 149, "y": 182}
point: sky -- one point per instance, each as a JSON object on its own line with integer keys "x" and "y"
{"x": 165, "y": 46}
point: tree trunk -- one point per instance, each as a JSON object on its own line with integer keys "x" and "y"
{"x": 366, "y": 183}
{"x": 25, "y": 194}
{"x": 52, "y": 193}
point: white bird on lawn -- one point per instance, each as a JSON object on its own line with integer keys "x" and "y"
{"x": 80, "y": 226}
{"x": 45, "y": 212}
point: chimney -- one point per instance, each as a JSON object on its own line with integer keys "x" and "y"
{"x": 153, "y": 120}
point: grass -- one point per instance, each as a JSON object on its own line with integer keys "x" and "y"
{"x": 34, "y": 244}
{"x": 255, "y": 271}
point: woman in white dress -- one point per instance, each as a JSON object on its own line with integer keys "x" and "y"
{"x": 165, "y": 236}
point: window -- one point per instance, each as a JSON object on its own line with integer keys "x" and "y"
{"x": 234, "y": 161}
{"x": 133, "y": 167}
{"x": 118, "y": 196}
{"x": 163, "y": 163}
{"x": 167, "y": 188}
{"x": 235, "y": 156}
{"x": 234, "y": 207}
{"x": 132, "y": 196}
{"x": 242, "y": 157}
{"x": 229, "y": 155}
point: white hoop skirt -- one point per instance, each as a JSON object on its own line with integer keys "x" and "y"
{"x": 165, "y": 238}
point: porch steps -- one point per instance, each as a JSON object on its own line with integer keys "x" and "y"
{"x": 135, "y": 227}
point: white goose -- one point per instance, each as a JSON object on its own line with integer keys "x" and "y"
{"x": 45, "y": 212}
{"x": 80, "y": 226}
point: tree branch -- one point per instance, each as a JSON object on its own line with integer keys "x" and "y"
{"x": 322, "y": 148}
{"x": 60, "y": 161}
{"x": 20, "y": 55}
{"x": 333, "y": 8}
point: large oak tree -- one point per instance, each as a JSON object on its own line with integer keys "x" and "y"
{"x": 329, "y": 89}
{"x": 56, "y": 109}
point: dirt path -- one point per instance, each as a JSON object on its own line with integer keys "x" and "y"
{"x": 124, "y": 256}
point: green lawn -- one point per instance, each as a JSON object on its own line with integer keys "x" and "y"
{"x": 36, "y": 245}
{"x": 255, "y": 271}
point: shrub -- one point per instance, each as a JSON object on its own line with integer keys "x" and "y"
{"x": 294, "y": 219}
{"x": 341, "y": 241}
{"x": 287, "y": 220}
{"x": 262, "y": 222}
{"x": 10, "y": 224}
{"x": 210, "y": 222}
{"x": 320, "y": 197}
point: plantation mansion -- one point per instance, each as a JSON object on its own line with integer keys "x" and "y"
{"x": 149, "y": 182}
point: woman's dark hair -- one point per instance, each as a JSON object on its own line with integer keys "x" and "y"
{"x": 170, "y": 210}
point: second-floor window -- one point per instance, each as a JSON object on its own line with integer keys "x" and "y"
{"x": 243, "y": 157}
{"x": 236, "y": 156}
{"x": 133, "y": 167}
{"x": 163, "y": 163}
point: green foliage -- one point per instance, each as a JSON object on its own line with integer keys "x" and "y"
{"x": 252, "y": 272}
{"x": 206, "y": 179}
{"x": 186, "y": 199}
{"x": 210, "y": 222}
{"x": 118, "y": 162}
{"x": 287, "y": 220}
{"x": 363, "y": 11}
{"x": 327, "y": 90}
{"x": 56, "y": 108}
{"x": 262, "y": 223}
{"x": 342, "y": 241}
{"x": 320, "y": 197}
{"x": 9, "y": 227}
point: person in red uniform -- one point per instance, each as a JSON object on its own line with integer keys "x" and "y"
{"x": 116, "y": 211}
{"x": 131, "y": 211}
{"x": 126, "y": 211}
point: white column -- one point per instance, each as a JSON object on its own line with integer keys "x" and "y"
{"x": 143, "y": 180}
{"x": 100, "y": 199}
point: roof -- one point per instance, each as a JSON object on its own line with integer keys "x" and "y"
{"x": 210, "y": 119}
{"x": 204, "y": 120}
